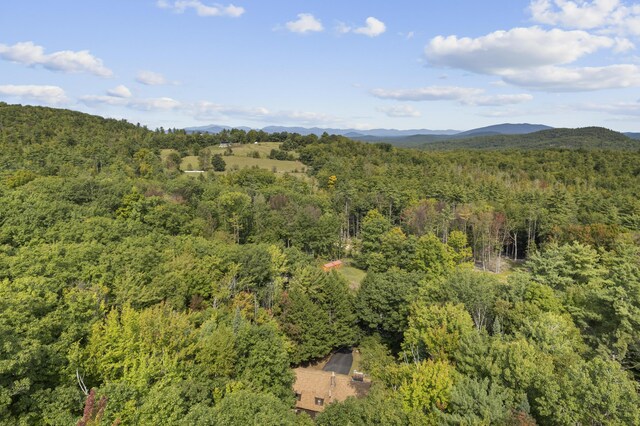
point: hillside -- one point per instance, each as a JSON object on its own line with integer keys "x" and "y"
{"x": 417, "y": 139}
{"x": 633, "y": 135}
{"x": 150, "y": 296}
{"x": 43, "y": 139}
{"x": 583, "y": 138}
{"x": 48, "y": 141}
{"x": 504, "y": 129}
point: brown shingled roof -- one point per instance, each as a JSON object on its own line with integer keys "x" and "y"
{"x": 332, "y": 265}
{"x": 329, "y": 387}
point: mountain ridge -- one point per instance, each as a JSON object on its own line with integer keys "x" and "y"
{"x": 554, "y": 138}
{"x": 506, "y": 129}
{"x": 361, "y": 134}
{"x": 379, "y": 132}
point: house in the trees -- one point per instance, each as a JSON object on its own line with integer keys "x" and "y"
{"x": 336, "y": 264}
{"x": 315, "y": 389}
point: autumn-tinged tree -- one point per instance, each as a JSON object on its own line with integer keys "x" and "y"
{"x": 185, "y": 300}
{"x": 429, "y": 387}
{"x": 433, "y": 257}
{"x": 435, "y": 331}
{"x": 235, "y": 212}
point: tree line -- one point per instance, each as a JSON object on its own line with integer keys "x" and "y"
{"x": 132, "y": 293}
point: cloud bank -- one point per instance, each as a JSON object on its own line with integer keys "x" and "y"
{"x": 373, "y": 28}
{"x": 68, "y": 61}
{"x": 537, "y": 58}
{"x": 52, "y": 95}
{"x": 201, "y": 9}
{"x": 151, "y": 78}
{"x": 463, "y": 95}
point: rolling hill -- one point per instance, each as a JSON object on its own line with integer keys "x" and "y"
{"x": 632, "y": 135}
{"x": 417, "y": 140}
{"x": 582, "y": 138}
{"x": 504, "y": 129}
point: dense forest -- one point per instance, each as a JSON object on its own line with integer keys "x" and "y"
{"x": 585, "y": 138}
{"x": 581, "y": 138}
{"x": 501, "y": 287}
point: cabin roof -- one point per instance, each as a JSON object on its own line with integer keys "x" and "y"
{"x": 332, "y": 264}
{"x": 330, "y": 387}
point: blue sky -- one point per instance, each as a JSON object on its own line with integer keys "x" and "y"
{"x": 455, "y": 64}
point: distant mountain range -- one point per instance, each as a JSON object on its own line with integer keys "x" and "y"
{"x": 498, "y": 129}
{"x": 632, "y": 135}
{"x": 352, "y": 133}
{"x": 504, "y": 129}
{"x": 523, "y": 135}
{"x": 214, "y": 128}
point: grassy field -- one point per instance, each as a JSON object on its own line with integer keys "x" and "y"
{"x": 354, "y": 276}
{"x": 507, "y": 268}
{"x": 190, "y": 162}
{"x": 235, "y": 161}
{"x": 245, "y": 150}
{"x": 243, "y": 158}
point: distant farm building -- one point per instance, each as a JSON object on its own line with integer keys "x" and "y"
{"x": 225, "y": 145}
{"x": 315, "y": 389}
{"x": 336, "y": 264}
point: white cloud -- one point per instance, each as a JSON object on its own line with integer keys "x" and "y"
{"x": 582, "y": 14}
{"x": 120, "y": 91}
{"x": 532, "y": 58}
{"x": 431, "y": 93}
{"x": 154, "y": 104}
{"x": 626, "y": 109}
{"x": 561, "y": 79}
{"x": 151, "y": 78}
{"x": 400, "y": 111}
{"x": 142, "y": 104}
{"x": 504, "y": 112}
{"x": 610, "y": 16}
{"x": 26, "y": 53}
{"x": 305, "y": 23}
{"x": 201, "y": 9}
{"x": 373, "y": 28}
{"x": 518, "y": 48}
{"x": 304, "y": 117}
{"x": 205, "y": 110}
{"x": 498, "y": 100}
{"x": 30, "y": 54}
{"x": 47, "y": 94}
{"x": 94, "y": 101}
{"x": 343, "y": 28}
{"x": 623, "y": 45}
{"x": 463, "y": 95}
